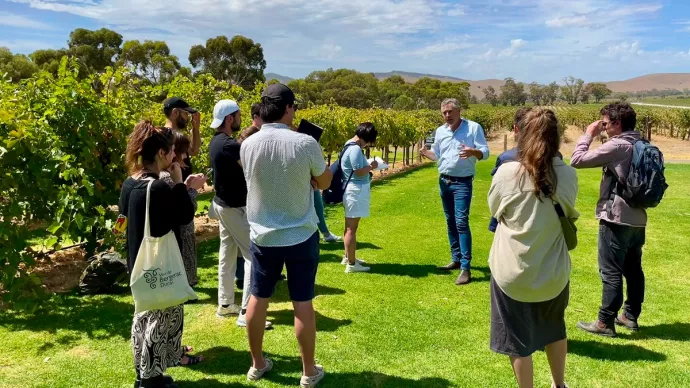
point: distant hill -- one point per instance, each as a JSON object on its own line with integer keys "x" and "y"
{"x": 413, "y": 77}
{"x": 677, "y": 81}
{"x": 283, "y": 79}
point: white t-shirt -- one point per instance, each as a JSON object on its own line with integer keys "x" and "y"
{"x": 278, "y": 166}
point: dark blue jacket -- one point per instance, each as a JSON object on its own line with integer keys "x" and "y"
{"x": 507, "y": 156}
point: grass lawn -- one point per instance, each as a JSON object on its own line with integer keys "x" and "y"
{"x": 401, "y": 325}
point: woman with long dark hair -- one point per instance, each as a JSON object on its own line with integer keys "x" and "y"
{"x": 188, "y": 246}
{"x": 156, "y": 334}
{"x": 529, "y": 259}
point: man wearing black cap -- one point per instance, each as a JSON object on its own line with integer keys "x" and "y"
{"x": 178, "y": 114}
{"x": 281, "y": 168}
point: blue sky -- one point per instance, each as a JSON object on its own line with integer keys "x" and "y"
{"x": 530, "y": 40}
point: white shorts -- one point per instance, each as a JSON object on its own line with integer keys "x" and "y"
{"x": 356, "y": 200}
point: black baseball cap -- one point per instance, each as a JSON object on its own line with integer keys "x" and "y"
{"x": 279, "y": 93}
{"x": 177, "y": 102}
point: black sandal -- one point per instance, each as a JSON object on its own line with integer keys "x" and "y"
{"x": 186, "y": 349}
{"x": 191, "y": 360}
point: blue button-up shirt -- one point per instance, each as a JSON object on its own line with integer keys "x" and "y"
{"x": 448, "y": 144}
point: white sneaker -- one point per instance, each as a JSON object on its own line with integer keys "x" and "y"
{"x": 344, "y": 261}
{"x": 242, "y": 322}
{"x": 232, "y": 309}
{"x": 311, "y": 381}
{"x": 356, "y": 268}
{"x": 256, "y": 374}
{"x": 331, "y": 238}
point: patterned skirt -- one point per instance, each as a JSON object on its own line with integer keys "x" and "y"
{"x": 189, "y": 252}
{"x": 157, "y": 340}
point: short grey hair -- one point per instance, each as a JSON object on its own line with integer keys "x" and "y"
{"x": 451, "y": 101}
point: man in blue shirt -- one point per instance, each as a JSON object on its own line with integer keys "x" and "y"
{"x": 457, "y": 147}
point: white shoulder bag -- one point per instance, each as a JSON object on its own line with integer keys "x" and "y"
{"x": 158, "y": 279}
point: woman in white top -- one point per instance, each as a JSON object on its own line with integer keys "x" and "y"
{"x": 529, "y": 260}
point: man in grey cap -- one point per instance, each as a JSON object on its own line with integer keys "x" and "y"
{"x": 282, "y": 167}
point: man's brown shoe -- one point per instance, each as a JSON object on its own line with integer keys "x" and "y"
{"x": 598, "y": 327}
{"x": 465, "y": 277}
{"x": 451, "y": 266}
{"x": 623, "y": 320}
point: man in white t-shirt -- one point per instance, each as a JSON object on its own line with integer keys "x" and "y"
{"x": 281, "y": 168}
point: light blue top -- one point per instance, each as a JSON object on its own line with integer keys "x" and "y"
{"x": 278, "y": 166}
{"x": 354, "y": 159}
{"x": 448, "y": 144}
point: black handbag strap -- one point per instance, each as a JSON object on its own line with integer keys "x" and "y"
{"x": 340, "y": 161}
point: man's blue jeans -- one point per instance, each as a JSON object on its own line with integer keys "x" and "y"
{"x": 456, "y": 197}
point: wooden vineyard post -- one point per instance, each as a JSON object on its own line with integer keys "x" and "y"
{"x": 505, "y": 142}
{"x": 647, "y": 128}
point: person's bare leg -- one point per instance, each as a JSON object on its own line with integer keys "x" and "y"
{"x": 350, "y": 239}
{"x": 305, "y": 331}
{"x": 524, "y": 371}
{"x": 256, "y": 321}
{"x": 556, "y": 353}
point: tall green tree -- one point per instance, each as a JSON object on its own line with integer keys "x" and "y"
{"x": 598, "y": 90}
{"x": 95, "y": 50}
{"x": 238, "y": 60}
{"x": 48, "y": 59}
{"x": 572, "y": 89}
{"x": 537, "y": 93}
{"x": 551, "y": 93}
{"x": 16, "y": 67}
{"x": 151, "y": 60}
{"x": 490, "y": 95}
{"x": 513, "y": 93}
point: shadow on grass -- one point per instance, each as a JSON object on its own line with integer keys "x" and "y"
{"x": 411, "y": 270}
{"x": 98, "y": 317}
{"x": 613, "y": 352}
{"x": 281, "y": 295}
{"x": 678, "y": 331}
{"x": 323, "y": 323}
{"x": 424, "y": 270}
{"x": 208, "y": 383}
{"x": 376, "y": 379}
{"x": 338, "y": 246}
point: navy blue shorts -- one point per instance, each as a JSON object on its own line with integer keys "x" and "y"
{"x": 301, "y": 262}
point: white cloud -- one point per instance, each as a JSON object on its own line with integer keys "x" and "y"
{"x": 635, "y": 10}
{"x": 515, "y": 45}
{"x": 623, "y": 50}
{"x": 19, "y": 21}
{"x": 590, "y": 14}
{"x": 567, "y": 21}
{"x": 456, "y": 11}
{"x": 446, "y": 48}
{"x": 426, "y": 36}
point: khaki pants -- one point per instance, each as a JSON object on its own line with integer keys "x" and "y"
{"x": 234, "y": 236}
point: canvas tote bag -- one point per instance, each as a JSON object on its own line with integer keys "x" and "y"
{"x": 158, "y": 279}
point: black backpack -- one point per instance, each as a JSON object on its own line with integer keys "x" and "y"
{"x": 645, "y": 184}
{"x": 334, "y": 193}
{"x": 103, "y": 274}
